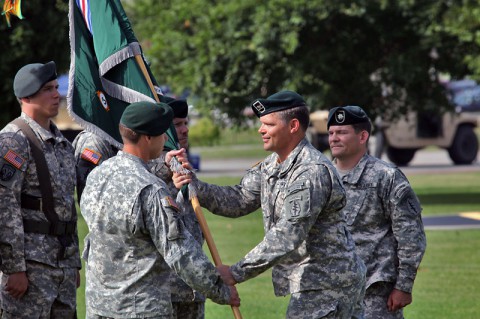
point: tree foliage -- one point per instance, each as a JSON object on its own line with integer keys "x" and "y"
{"x": 40, "y": 37}
{"x": 380, "y": 54}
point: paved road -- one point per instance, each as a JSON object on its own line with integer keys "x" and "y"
{"x": 424, "y": 162}
{"x": 452, "y": 222}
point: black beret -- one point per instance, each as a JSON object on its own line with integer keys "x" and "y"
{"x": 346, "y": 115}
{"x": 147, "y": 118}
{"x": 165, "y": 99}
{"x": 277, "y": 102}
{"x": 180, "y": 108}
{"x": 30, "y": 78}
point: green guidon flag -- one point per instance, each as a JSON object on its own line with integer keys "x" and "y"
{"x": 105, "y": 76}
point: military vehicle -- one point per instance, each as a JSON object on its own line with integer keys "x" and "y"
{"x": 454, "y": 131}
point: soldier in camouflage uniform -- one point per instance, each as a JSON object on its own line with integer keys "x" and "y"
{"x": 187, "y": 303}
{"x": 306, "y": 240}
{"x": 383, "y": 214}
{"x": 90, "y": 151}
{"x": 136, "y": 234}
{"x": 40, "y": 262}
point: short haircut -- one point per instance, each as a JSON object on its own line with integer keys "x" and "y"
{"x": 128, "y": 134}
{"x": 300, "y": 113}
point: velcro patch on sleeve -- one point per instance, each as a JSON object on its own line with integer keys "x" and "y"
{"x": 170, "y": 203}
{"x": 14, "y": 159}
{"x": 91, "y": 156}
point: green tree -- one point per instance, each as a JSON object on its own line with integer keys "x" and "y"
{"x": 41, "y": 36}
{"x": 380, "y": 54}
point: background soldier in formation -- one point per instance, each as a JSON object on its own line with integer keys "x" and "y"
{"x": 90, "y": 151}
{"x": 38, "y": 241}
{"x": 135, "y": 233}
{"x": 383, "y": 214}
{"x": 306, "y": 239}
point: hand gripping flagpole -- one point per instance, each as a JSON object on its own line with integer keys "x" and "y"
{"x": 177, "y": 167}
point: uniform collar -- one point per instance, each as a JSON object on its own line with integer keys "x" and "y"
{"x": 354, "y": 175}
{"x": 44, "y": 134}
{"x": 291, "y": 159}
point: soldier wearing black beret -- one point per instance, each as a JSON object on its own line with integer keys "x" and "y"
{"x": 301, "y": 197}
{"x": 383, "y": 214}
{"x": 39, "y": 242}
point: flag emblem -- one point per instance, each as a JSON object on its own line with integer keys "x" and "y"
{"x": 103, "y": 100}
{"x": 91, "y": 156}
{"x": 14, "y": 159}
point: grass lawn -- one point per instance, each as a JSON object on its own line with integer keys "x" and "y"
{"x": 449, "y": 276}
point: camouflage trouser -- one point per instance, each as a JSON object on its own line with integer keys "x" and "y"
{"x": 51, "y": 293}
{"x": 188, "y": 310}
{"x": 375, "y": 302}
{"x": 329, "y": 304}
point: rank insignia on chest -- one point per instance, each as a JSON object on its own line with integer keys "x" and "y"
{"x": 91, "y": 156}
{"x": 170, "y": 203}
{"x": 14, "y": 159}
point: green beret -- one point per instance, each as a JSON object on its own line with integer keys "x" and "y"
{"x": 277, "y": 102}
{"x": 30, "y": 78}
{"x": 346, "y": 115}
{"x": 147, "y": 118}
{"x": 180, "y": 108}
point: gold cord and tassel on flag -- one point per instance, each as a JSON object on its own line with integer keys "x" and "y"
{"x": 12, "y": 7}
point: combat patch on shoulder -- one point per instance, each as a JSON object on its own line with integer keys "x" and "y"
{"x": 91, "y": 156}
{"x": 14, "y": 159}
{"x": 297, "y": 201}
{"x": 7, "y": 171}
{"x": 170, "y": 203}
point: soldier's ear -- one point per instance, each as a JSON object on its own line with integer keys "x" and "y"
{"x": 294, "y": 125}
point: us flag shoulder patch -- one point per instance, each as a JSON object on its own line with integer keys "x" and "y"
{"x": 14, "y": 159}
{"x": 91, "y": 156}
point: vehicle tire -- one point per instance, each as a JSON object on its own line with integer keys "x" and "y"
{"x": 400, "y": 156}
{"x": 464, "y": 148}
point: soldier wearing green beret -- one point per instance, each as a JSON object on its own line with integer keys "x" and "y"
{"x": 383, "y": 214}
{"x": 187, "y": 303}
{"x": 136, "y": 236}
{"x": 301, "y": 197}
{"x": 38, "y": 241}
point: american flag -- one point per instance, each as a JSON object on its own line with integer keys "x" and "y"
{"x": 84, "y": 6}
{"x": 91, "y": 156}
{"x": 14, "y": 159}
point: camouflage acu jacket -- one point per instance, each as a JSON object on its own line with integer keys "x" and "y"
{"x": 306, "y": 240}
{"x": 18, "y": 175}
{"x": 135, "y": 235}
{"x": 181, "y": 292}
{"x": 90, "y": 151}
{"x": 384, "y": 216}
